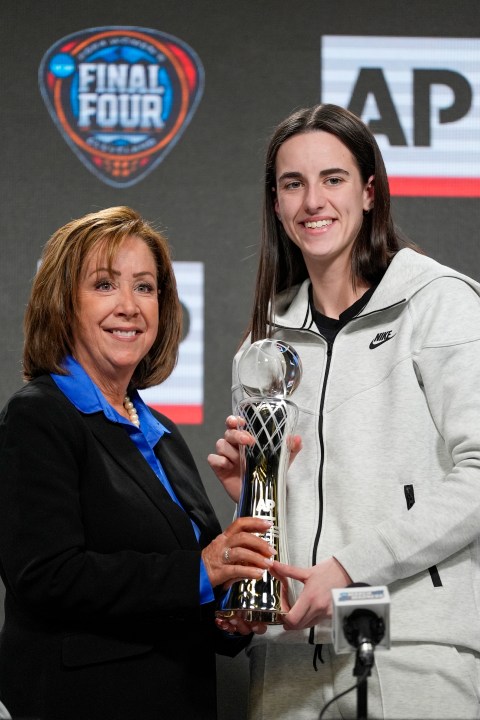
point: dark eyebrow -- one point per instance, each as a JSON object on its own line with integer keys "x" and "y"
{"x": 334, "y": 171}
{"x": 293, "y": 175}
{"x": 290, "y": 176}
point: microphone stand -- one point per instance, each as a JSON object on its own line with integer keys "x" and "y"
{"x": 363, "y": 629}
{"x": 364, "y": 661}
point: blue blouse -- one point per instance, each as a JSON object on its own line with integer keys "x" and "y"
{"x": 82, "y": 392}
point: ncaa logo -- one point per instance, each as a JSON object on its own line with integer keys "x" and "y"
{"x": 420, "y": 97}
{"x": 121, "y": 97}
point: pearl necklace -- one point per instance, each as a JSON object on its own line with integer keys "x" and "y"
{"x": 132, "y": 413}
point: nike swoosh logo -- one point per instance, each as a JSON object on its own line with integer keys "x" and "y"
{"x": 376, "y": 343}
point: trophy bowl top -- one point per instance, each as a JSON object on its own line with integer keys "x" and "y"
{"x": 270, "y": 368}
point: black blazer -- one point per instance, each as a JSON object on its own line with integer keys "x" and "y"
{"x": 101, "y": 569}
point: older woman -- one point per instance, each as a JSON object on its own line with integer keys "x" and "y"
{"x": 109, "y": 548}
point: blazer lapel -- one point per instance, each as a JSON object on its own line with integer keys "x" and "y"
{"x": 114, "y": 440}
{"x": 180, "y": 468}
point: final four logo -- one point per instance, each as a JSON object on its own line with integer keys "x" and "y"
{"x": 121, "y": 97}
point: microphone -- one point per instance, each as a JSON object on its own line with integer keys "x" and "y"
{"x": 361, "y": 618}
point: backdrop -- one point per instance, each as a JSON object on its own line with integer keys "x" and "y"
{"x": 184, "y": 144}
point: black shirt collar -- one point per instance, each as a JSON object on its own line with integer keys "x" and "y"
{"x": 329, "y": 327}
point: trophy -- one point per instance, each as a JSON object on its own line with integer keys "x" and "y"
{"x": 269, "y": 371}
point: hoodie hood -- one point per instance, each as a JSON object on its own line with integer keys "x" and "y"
{"x": 408, "y": 273}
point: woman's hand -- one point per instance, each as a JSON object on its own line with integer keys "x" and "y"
{"x": 315, "y": 601}
{"x": 226, "y": 462}
{"x": 237, "y": 553}
{"x": 235, "y": 624}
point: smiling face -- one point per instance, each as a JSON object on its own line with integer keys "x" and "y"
{"x": 320, "y": 198}
{"x": 116, "y": 314}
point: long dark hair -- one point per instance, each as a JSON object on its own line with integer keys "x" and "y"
{"x": 281, "y": 264}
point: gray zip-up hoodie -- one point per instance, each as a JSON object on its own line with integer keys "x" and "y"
{"x": 388, "y": 480}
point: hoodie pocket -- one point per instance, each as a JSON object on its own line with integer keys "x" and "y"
{"x": 410, "y": 500}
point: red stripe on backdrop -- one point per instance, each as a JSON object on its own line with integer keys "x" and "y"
{"x": 181, "y": 414}
{"x": 434, "y": 186}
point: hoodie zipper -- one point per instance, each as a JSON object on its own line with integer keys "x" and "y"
{"x": 320, "y": 471}
{"x": 311, "y": 635}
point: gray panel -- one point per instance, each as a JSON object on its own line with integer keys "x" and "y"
{"x": 261, "y": 61}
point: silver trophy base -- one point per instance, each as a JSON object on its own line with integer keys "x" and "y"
{"x": 269, "y": 617}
